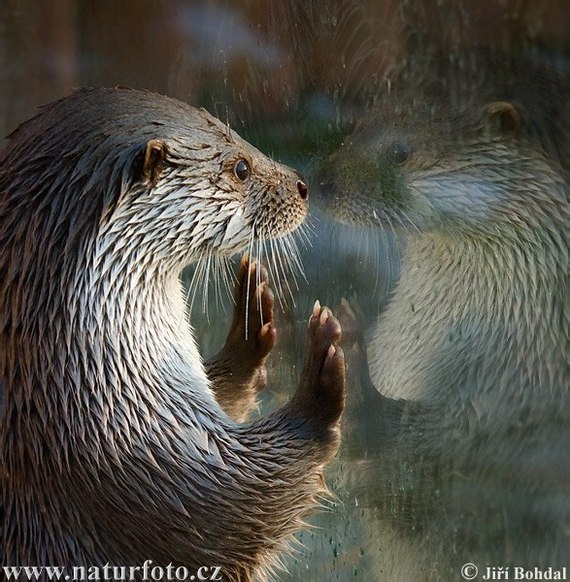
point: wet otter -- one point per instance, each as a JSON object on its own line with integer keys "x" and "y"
{"x": 113, "y": 447}
{"x": 468, "y": 162}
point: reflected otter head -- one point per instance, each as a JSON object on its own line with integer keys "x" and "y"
{"x": 456, "y": 146}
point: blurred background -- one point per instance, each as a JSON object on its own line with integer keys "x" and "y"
{"x": 291, "y": 77}
{"x": 253, "y": 62}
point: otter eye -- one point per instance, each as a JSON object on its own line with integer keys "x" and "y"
{"x": 242, "y": 170}
{"x": 398, "y": 153}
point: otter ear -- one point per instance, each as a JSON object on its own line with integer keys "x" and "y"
{"x": 503, "y": 118}
{"x": 154, "y": 161}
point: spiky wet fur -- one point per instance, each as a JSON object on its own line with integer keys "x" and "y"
{"x": 113, "y": 448}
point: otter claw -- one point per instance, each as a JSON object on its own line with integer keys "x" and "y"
{"x": 330, "y": 354}
{"x": 316, "y": 308}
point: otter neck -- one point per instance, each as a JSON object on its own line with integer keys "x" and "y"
{"x": 465, "y": 310}
{"x": 106, "y": 350}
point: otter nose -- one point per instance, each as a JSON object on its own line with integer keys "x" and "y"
{"x": 303, "y": 190}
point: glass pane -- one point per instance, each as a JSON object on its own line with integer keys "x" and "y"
{"x": 434, "y": 137}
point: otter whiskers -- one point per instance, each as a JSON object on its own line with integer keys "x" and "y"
{"x": 281, "y": 257}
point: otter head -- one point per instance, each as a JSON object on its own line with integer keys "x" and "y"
{"x": 459, "y": 148}
{"x": 203, "y": 190}
{"x": 111, "y": 192}
{"x": 143, "y": 175}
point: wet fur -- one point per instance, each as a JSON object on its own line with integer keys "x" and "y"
{"x": 113, "y": 448}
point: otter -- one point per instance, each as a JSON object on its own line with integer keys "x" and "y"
{"x": 113, "y": 447}
{"x": 466, "y": 159}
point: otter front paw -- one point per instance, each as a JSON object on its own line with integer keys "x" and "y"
{"x": 238, "y": 370}
{"x": 252, "y": 335}
{"x": 320, "y": 397}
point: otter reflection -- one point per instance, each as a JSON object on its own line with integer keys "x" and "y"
{"x": 467, "y": 160}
